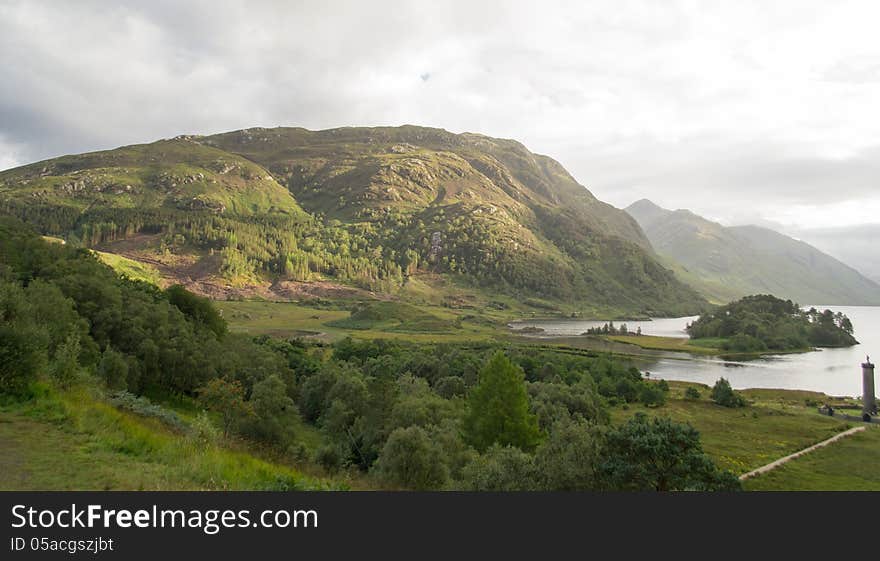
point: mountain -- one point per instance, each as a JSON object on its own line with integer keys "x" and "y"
{"x": 725, "y": 263}
{"x": 854, "y": 245}
{"x": 167, "y": 174}
{"x": 373, "y": 208}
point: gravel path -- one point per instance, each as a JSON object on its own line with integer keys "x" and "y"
{"x": 775, "y": 464}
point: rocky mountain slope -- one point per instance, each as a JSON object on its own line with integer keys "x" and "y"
{"x": 369, "y": 207}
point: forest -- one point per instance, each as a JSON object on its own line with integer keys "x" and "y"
{"x": 764, "y": 322}
{"x": 490, "y": 416}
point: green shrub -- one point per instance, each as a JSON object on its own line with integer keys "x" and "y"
{"x": 22, "y": 356}
{"x": 501, "y": 468}
{"x": 113, "y": 369}
{"x": 723, "y": 395}
{"x": 652, "y": 395}
{"x": 144, "y": 407}
{"x": 410, "y": 458}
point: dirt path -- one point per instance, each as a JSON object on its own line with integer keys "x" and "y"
{"x": 780, "y": 461}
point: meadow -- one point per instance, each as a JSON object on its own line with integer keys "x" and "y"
{"x": 774, "y": 424}
{"x": 847, "y": 465}
{"x": 331, "y": 322}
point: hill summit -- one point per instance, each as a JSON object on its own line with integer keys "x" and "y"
{"x": 372, "y": 208}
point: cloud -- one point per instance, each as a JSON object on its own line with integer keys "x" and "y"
{"x": 746, "y": 111}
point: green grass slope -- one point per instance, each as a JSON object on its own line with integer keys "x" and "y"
{"x": 179, "y": 174}
{"x": 73, "y": 440}
{"x": 849, "y": 464}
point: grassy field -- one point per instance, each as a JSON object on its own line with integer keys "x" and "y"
{"x": 397, "y": 316}
{"x": 131, "y": 268}
{"x": 847, "y": 465}
{"x": 73, "y": 440}
{"x": 705, "y": 346}
{"x": 678, "y": 344}
{"x": 390, "y": 320}
{"x": 775, "y": 424}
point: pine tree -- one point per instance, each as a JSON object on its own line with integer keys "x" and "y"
{"x": 499, "y": 408}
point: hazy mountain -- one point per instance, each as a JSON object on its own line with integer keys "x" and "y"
{"x": 854, "y": 245}
{"x": 728, "y": 262}
{"x": 372, "y": 207}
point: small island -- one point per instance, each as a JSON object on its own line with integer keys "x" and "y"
{"x": 764, "y": 323}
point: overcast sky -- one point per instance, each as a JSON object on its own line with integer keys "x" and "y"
{"x": 742, "y": 112}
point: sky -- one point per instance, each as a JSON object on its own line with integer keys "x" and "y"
{"x": 745, "y": 112}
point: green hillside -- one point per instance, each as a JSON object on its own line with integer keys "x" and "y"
{"x": 174, "y": 174}
{"x": 370, "y": 208}
{"x": 502, "y": 212}
{"x": 726, "y": 263}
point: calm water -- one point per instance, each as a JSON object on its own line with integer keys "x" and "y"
{"x": 662, "y": 327}
{"x": 833, "y": 371}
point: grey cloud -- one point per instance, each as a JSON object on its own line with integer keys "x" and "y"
{"x": 691, "y": 105}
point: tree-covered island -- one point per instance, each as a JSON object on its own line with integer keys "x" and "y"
{"x": 766, "y": 323}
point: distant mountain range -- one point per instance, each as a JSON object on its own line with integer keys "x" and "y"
{"x": 726, "y": 263}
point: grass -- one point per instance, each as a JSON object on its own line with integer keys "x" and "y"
{"x": 389, "y": 320}
{"x": 705, "y": 346}
{"x": 775, "y": 424}
{"x": 73, "y": 440}
{"x": 849, "y": 464}
{"x": 394, "y": 316}
{"x": 130, "y": 268}
{"x": 678, "y": 344}
{"x": 163, "y": 173}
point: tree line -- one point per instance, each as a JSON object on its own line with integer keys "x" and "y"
{"x": 379, "y": 254}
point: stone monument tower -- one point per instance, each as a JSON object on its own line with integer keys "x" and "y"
{"x": 869, "y": 405}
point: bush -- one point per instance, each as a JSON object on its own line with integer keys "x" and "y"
{"x": 723, "y": 394}
{"x": 227, "y": 399}
{"x": 142, "y": 406}
{"x": 113, "y": 369}
{"x": 501, "y": 468}
{"x": 411, "y": 459}
{"x": 197, "y": 308}
{"x": 692, "y": 393}
{"x": 652, "y": 395}
{"x": 274, "y": 412}
{"x": 330, "y": 457}
{"x": 22, "y": 355}
{"x": 65, "y": 367}
{"x": 567, "y": 460}
{"x": 660, "y": 455}
{"x": 202, "y": 431}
